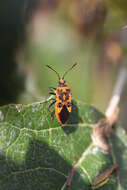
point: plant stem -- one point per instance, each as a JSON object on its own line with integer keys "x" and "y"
{"x": 118, "y": 89}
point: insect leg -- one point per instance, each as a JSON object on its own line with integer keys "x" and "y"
{"x": 52, "y": 93}
{"x": 52, "y": 103}
{"x": 51, "y": 98}
{"x": 52, "y": 89}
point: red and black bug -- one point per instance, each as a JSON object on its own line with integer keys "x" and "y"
{"x": 63, "y": 100}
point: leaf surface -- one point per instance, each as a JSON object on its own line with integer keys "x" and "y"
{"x": 37, "y": 153}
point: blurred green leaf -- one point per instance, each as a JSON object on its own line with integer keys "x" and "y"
{"x": 37, "y": 153}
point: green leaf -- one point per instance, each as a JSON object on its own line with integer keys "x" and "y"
{"x": 37, "y": 153}
{"x": 119, "y": 142}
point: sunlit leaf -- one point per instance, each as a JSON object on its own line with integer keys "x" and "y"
{"x": 37, "y": 153}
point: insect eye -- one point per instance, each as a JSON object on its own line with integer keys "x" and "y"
{"x": 69, "y": 104}
{"x": 59, "y": 105}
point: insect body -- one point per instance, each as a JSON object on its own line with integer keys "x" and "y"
{"x": 63, "y": 101}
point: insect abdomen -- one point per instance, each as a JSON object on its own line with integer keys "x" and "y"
{"x": 63, "y": 115}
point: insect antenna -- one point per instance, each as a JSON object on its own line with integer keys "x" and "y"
{"x": 69, "y": 70}
{"x": 53, "y": 70}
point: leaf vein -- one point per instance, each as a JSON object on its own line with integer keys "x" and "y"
{"x": 49, "y": 129}
{"x": 84, "y": 170}
{"x": 12, "y": 145}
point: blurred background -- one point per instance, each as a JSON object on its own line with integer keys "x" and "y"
{"x": 34, "y": 33}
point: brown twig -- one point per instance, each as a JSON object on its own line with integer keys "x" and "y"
{"x": 101, "y": 178}
{"x": 122, "y": 79}
{"x": 105, "y": 127}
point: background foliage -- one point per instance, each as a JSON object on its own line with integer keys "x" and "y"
{"x": 35, "y": 33}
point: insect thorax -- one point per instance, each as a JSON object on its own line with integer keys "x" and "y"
{"x": 63, "y": 93}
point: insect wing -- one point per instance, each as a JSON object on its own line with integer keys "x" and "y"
{"x": 62, "y": 115}
{"x": 63, "y": 104}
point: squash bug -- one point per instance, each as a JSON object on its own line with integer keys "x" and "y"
{"x": 63, "y": 100}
